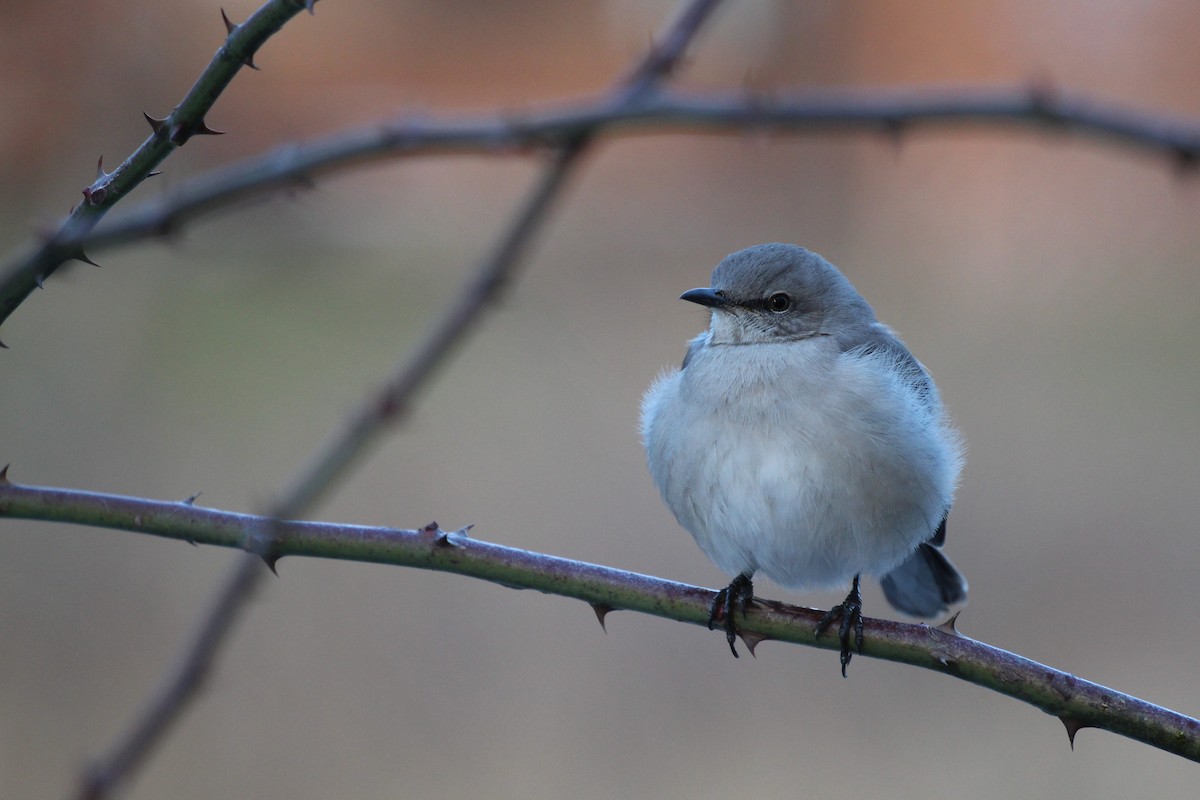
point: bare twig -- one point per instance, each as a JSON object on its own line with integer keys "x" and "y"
{"x": 25, "y": 274}
{"x": 648, "y": 110}
{"x": 333, "y": 460}
{"x": 106, "y": 774}
{"x": 1077, "y": 702}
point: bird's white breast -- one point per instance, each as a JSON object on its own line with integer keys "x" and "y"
{"x": 797, "y": 461}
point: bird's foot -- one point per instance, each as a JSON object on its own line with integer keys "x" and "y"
{"x": 731, "y": 600}
{"x": 850, "y": 612}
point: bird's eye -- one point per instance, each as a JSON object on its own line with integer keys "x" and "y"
{"x": 779, "y": 302}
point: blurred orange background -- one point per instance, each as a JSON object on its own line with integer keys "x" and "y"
{"x": 1050, "y": 283}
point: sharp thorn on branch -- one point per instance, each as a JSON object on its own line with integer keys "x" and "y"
{"x": 270, "y": 559}
{"x": 40, "y": 280}
{"x": 156, "y": 124}
{"x": 203, "y": 130}
{"x": 100, "y": 173}
{"x": 751, "y": 640}
{"x": 950, "y": 626}
{"x": 601, "y": 610}
{"x": 1073, "y": 727}
{"x": 180, "y": 134}
{"x": 191, "y": 501}
{"x": 1186, "y": 160}
{"x": 4, "y": 472}
{"x": 79, "y": 255}
{"x": 229, "y": 26}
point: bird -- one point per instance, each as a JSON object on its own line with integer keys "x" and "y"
{"x": 802, "y": 441}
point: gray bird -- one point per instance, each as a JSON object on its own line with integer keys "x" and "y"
{"x": 802, "y": 441}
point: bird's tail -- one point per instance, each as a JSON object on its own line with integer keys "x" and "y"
{"x": 925, "y": 585}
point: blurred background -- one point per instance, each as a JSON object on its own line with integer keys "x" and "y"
{"x": 1050, "y": 283}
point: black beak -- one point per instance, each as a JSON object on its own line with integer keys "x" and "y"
{"x": 705, "y": 297}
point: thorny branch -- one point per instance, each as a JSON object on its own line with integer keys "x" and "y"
{"x": 334, "y": 459}
{"x": 24, "y": 274}
{"x": 637, "y": 104}
{"x": 648, "y": 110}
{"x": 1077, "y": 702}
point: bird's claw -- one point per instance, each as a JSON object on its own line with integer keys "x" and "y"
{"x": 730, "y": 601}
{"x": 850, "y": 613}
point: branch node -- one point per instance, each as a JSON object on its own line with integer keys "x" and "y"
{"x": 455, "y": 539}
{"x": 94, "y": 196}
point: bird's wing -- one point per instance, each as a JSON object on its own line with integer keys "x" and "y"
{"x": 878, "y": 339}
{"x": 694, "y": 346}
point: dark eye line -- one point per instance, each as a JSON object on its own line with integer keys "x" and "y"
{"x": 769, "y": 303}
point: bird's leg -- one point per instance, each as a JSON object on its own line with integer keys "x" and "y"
{"x": 733, "y": 598}
{"x": 850, "y": 611}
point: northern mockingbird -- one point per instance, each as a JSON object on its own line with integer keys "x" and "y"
{"x": 802, "y": 441}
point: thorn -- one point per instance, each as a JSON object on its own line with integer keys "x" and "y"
{"x": 3, "y": 346}
{"x": 229, "y": 26}
{"x": 950, "y": 626}
{"x": 310, "y": 5}
{"x": 82, "y": 256}
{"x": 270, "y": 559}
{"x": 454, "y": 538}
{"x": 191, "y": 501}
{"x": 4, "y": 475}
{"x": 1043, "y": 96}
{"x": 156, "y": 124}
{"x": 751, "y": 640}
{"x": 203, "y": 130}
{"x": 100, "y": 173}
{"x": 1073, "y": 727}
{"x": 1186, "y": 161}
{"x": 430, "y": 528}
{"x": 152, "y": 174}
{"x": 601, "y": 610}
{"x": 39, "y": 278}
{"x": 894, "y": 129}
{"x": 944, "y": 658}
{"x": 179, "y": 135}
{"x": 249, "y": 62}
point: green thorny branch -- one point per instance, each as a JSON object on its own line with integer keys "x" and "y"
{"x": 1077, "y": 702}
{"x": 19, "y": 278}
